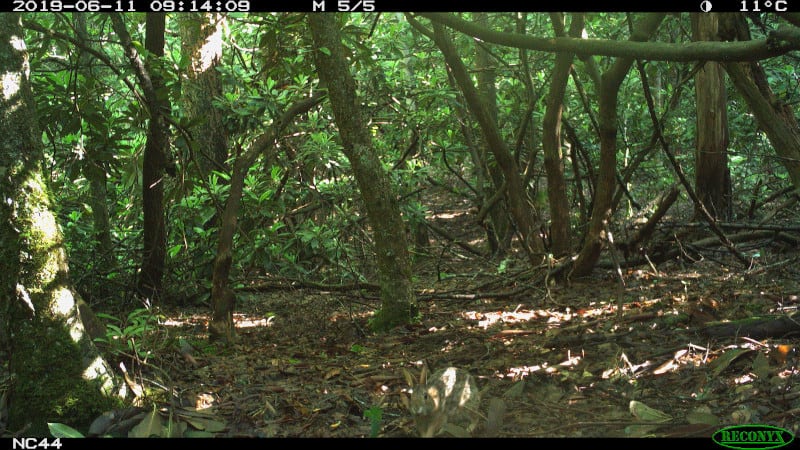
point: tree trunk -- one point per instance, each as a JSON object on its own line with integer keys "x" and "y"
{"x": 201, "y": 43}
{"x": 551, "y": 141}
{"x": 499, "y": 227}
{"x": 606, "y": 177}
{"x": 157, "y": 104}
{"x": 58, "y": 374}
{"x": 516, "y": 193}
{"x": 398, "y": 302}
{"x": 94, "y": 169}
{"x": 773, "y": 115}
{"x": 223, "y": 299}
{"x": 155, "y": 240}
{"x": 712, "y": 176}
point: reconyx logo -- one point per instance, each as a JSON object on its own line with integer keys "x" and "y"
{"x": 752, "y": 437}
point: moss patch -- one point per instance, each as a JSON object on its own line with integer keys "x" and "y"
{"x": 48, "y": 381}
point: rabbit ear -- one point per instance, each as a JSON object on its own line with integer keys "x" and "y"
{"x": 423, "y": 375}
{"x": 409, "y": 378}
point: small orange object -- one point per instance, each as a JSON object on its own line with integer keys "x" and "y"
{"x": 780, "y": 353}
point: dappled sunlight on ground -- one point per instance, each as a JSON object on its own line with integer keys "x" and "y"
{"x": 596, "y": 354}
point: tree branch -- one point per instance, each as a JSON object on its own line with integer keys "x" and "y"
{"x": 754, "y": 50}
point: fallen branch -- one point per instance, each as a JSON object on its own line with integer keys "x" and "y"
{"x": 445, "y": 234}
{"x": 757, "y": 328}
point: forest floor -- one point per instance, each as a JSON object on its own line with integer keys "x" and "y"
{"x": 563, "y": 358}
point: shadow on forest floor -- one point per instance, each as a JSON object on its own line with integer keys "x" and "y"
{"x": 562, "y": 359}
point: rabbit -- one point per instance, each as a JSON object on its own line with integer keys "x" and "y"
{"x": 448, "y": 400}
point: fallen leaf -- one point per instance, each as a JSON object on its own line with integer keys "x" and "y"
{"x": 726, "y": 359}
{"x": 699, "y": 417}
{"x": 761, "y": 366}
{"x": 149, "y": 426}
{"x": 203, "y": 424}
{"x": 646, "y": 413}
{"x": 173, "y": 429}
{"x": 198, "y": 434}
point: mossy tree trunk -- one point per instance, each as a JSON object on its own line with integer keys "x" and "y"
{"x": 58, "y": 374}
{"x": 201, "y": 44}
{"x": 398, "y": 302}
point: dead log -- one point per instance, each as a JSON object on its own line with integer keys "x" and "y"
{"x": 757, "y": 327}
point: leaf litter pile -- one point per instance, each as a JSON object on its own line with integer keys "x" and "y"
{"x": 679, "y": 358}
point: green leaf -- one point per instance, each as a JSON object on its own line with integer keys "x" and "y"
{"x": 149, "y": 426}
{"x": 59, "y": 430}
{"x": 174, "y": 250}
{"x": 325, "y": 50}
{"x": 207, "y": 425}
{"x": 355, "y": 348}
{"x": 726, "y": 359}
{"x": 198, "y": 434}
{"x": 702, "y": 417}
{"x": 108, "y": 316}
{"x": 646, "y": 413}
{"x": 375, "y": 416}
{"x": 174, "y": 429}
